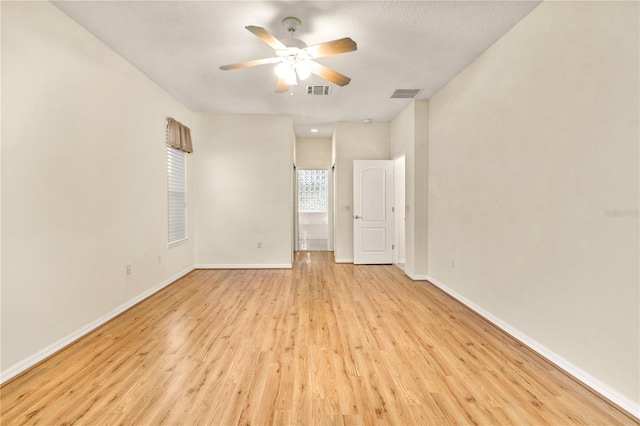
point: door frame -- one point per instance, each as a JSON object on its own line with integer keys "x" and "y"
{"x": 330, "y": 206}
{"x": 399, "y": 202}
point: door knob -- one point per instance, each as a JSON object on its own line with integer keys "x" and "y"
{"x": 357, "y": 217}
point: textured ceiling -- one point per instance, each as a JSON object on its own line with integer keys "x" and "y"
{"x": 401, "y": 45}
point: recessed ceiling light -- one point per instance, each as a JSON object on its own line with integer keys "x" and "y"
{"x": 314, "y": 130}
{"x": 367, "y": 121}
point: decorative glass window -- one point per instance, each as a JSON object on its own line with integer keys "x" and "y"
{"x": 312, "y": 191}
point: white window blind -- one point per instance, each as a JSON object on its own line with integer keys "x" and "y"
{"x": 176, "y": 182}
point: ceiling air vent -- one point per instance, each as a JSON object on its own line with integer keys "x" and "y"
{"x": 405, "y": 93}
{"x": 318, "y": 90}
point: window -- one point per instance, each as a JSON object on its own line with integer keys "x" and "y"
{"x": 176, "y": 183}
{"x": 312, "y": 191}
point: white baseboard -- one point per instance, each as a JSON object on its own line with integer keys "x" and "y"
{"x": 627, "y": 404}
{"x": 415, "y": 277}
{"x": 243, "y": 266}
{"x": 32, "y": 360}
{"x": 343, "y": 260}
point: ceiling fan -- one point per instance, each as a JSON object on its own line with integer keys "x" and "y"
{"x": 295, "y": 58}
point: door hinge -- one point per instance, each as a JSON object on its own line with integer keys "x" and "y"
{"x": 393, "y": 209}
{"x": 393, "y": 247}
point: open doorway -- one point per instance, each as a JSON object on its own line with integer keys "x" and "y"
{"x": 313, "y": 210}
{"x": 400, "y": 211}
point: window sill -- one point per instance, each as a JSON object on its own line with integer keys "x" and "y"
{"x": 178, "y": 242}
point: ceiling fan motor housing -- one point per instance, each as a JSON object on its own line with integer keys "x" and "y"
{"x": 294, "y": 42}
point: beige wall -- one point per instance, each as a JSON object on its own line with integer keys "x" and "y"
{"x": 420, "y": 191}
{"x": 399, "y": 202}
{"x": 353, "y": 141}
{"x": 84, "y": 184}
{"x": 244, "y": 190}
{"x": 409, "y": 136}
{"x": 313, "y": 153}
{"x": 530, "y": 147}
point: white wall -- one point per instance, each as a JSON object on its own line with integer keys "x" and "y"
{"x": 409, "y": 136}
{"x": 244, "y": 190}
{"x": 84, "y": 184}
{"x": 353, "y": 141}
{"x": 314, "y": 226}
{"x": 530, "y": 147}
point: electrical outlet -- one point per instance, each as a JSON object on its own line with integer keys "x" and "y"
{"x": 128, "y": 269}
{"x": 259, "y": 244}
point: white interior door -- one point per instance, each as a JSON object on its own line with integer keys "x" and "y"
{"x": 373, "y": 211}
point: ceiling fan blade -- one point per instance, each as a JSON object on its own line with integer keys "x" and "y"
{"x": 334, "y": 47}
{"x": 266, "y": 36}
{"x": 329, "y": 74}
{"x": 281, "y": 86}
{"x": 250, "y": 63}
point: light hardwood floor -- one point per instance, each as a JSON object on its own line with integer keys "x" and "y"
{"x": 322, "y": 344}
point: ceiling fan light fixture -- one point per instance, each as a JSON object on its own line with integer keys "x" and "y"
{"x": 281, "y": 70}
{"x": 285, "y": 71}
{"x": 303, "y": 69}
{"x": 291, "y": 80}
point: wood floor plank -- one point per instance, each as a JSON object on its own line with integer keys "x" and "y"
{"x": 323, "y": 344}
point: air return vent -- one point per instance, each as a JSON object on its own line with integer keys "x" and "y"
{"x": 405, "y": 93}
{"x": 318, "y": 90}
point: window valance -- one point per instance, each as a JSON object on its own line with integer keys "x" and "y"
{"x": 179, "y": 135}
